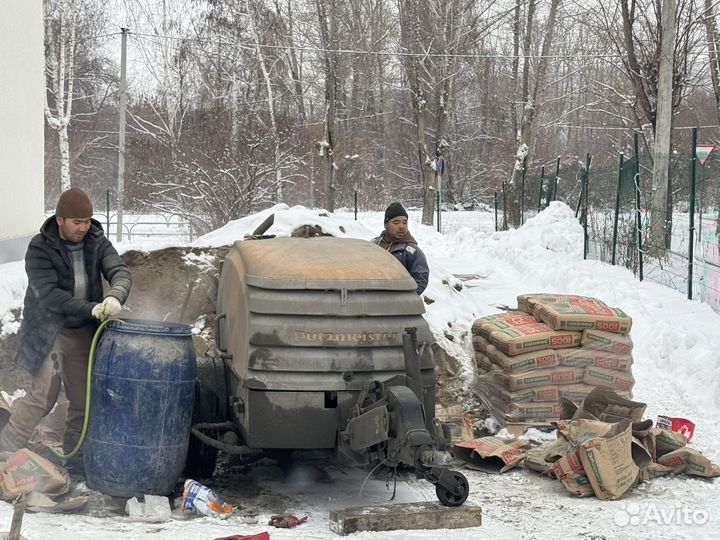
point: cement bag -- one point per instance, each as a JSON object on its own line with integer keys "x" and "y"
{"x": 25, "y": 471}
{"x": 660, "y": 441}
{"x": 542, "y": 359}
{"x": 542, "y": 458}
{"x": 545, "y": 358}
{"x": 491, "y": 454}
{"x": 532, "y": 337}
{"x": 574, "y": 392}
{"x": 535, "y": 394}
{"x": 569, "y": 470}
{"x": 531, "y": 303}
{"x": 584, "y": 313}
{"x": 535, "y": 461}
{"x": 519, "y": 396}
{"x": 543, "y": 377}
{"x": 620, "y": 380}
{"x": 607, "y": 341}
{"x": 683, "y": 460}
{"x": 689, "y": 461}
{"x": 484, "y": 326}
{"x": 484, "y": 364}
{"x": 608, "y": 462}
{"x": 515, "y": 412}
{"x": 480, "y": 344}
{"x": 458, "y": 422}
{"x": 583, "y": 357}
{"x": 604, "y": 404}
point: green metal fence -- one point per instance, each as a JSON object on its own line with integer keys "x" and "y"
{"x": 613, "y": 203}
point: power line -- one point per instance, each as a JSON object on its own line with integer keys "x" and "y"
{"x": 312, "y": 48}
{"x": 617, "y": 128}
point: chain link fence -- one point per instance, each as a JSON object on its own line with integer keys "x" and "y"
{"x": 619, "y": 215}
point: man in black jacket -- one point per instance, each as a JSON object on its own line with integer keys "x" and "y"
{"x": 65, "y": 264}
{"x": 396, "y": 239}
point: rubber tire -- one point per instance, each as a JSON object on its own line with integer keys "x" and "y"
{"x": 209, "y": 405}
{"x": 449, "y": 499}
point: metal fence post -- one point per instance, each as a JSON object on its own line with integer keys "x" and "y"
{"x": 542, "y": 179}
{"x": 617, "y": 206}
{"x": 522, "y": 196}
{"x": 691, "y": 243}
{"x": 557, "y": 177}
{"x": 107, "y": 212}
{"x": 638, "y": 217}
{"x": 585, "y": 189}
{"x": 356, "y": 204}
{"x": 438, "y": 207}
{"x": 496, "y": 212}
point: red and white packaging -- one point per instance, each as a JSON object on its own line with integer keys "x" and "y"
{"x": 683, "y": 426}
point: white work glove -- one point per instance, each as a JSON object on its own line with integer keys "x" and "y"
{"x": 109, "y": 308}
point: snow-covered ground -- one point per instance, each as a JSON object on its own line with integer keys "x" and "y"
{"x": 677, "y": 368}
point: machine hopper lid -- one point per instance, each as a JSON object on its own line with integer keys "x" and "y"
{"x": 321, "y": 263}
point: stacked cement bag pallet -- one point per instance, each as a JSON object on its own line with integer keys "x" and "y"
{"x": 553, "y": 347}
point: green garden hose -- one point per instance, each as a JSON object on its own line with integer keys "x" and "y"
{"x": 88, "y": 384}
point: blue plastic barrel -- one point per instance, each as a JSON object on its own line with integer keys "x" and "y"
{"x": 141, "y": 408}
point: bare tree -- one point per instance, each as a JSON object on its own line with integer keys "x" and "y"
{"x": 713, "y": 42}
{"x": 659, "y": 225}
{"x": 161, "y": 33}
{"x": 295, "y": 67}
{"x": 327, "y": 21}
{"x": 533, "y": 99}
{"x": 61, "y": 24}
{"x": 255, "y": 12}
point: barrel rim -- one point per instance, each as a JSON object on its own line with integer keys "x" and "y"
{"x": 150, "y": 327}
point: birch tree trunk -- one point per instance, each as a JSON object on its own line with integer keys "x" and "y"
{"x": 659, "y": 224}
{"x": 60, "y": 73}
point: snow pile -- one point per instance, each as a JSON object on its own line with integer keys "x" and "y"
{"x": 554, "y": 236}
{"x": 12, "y": 291}
{"x": 285, "y": 222}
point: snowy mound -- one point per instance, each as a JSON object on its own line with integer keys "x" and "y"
{"x": 286, "y": 220}
{"x": 555, "y": 229}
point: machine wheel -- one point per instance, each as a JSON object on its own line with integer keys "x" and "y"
{"x": 209, "y": 405}
{"x": 448, "y": 498}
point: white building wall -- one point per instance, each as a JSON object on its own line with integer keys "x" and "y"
{"x": 22, "y": 84}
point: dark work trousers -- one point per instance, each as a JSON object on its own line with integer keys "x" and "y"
{"x": 67, "y": 364}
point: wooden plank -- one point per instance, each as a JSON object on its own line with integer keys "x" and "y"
{"x": 392, "y": 517}
{"x": 16, "y": 524}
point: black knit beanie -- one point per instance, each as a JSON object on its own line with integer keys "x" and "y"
{"x": 394, "y": 210}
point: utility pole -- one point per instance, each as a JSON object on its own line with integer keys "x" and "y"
{"x": 121, "y": 135}
{"x": 663, "y": 129}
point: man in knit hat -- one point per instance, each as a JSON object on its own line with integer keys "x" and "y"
{"x": 396, "y": 239}
{"x": 64, "y": 301}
